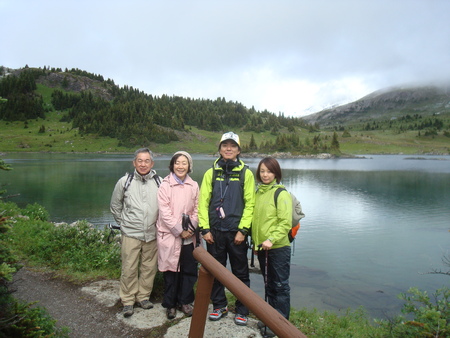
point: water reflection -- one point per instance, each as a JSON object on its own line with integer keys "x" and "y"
{"x": 368, "y": 236}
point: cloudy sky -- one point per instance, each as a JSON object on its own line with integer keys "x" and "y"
{"x": 288, "y": 56}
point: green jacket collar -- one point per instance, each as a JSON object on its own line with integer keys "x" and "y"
{"x": 266, "y": 187}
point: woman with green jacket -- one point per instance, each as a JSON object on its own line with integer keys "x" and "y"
{"x": 270, "y": 227}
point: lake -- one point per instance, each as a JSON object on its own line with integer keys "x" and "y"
{"x": 374, "y": 226}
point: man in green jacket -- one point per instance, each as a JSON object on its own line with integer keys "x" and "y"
{"x": 227, "y": 198}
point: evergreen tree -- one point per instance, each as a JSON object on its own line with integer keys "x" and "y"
{"x": 65, "y": 82}
{"x": 335, "y": 142}
{"x": 252, "y": 146}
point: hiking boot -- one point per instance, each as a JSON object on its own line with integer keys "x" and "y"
{"x": 187, "y": 309}
{"x": 171, "y": 313}
{"x": 127, "y": 311}
{"x": 240, "y": 319}
{"x": 218, "y": 313}
{"x": 266, "y": 332}
{"x": 145, "y": 304}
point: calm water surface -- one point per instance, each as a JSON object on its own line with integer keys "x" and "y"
{"x": 373, "y": 226}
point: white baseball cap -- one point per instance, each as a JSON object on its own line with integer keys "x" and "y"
{"x": 230, "y": 136}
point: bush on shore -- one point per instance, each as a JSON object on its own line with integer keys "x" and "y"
{"x": 19, "y": 319}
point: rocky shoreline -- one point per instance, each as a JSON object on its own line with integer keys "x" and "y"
{"x": 282, "y": 155}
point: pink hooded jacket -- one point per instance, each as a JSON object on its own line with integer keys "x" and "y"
{"x": 174, "y": 199}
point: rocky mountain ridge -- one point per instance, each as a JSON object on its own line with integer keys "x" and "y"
{"x": 75, "y": 83}
{"x": 388, "y": 103}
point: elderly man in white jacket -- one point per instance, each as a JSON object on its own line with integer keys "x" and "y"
{"x": 134, "y": 206}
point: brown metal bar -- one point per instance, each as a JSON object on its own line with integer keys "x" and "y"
{"x": 267, "y": 314}
{"x": 202, "y": 296}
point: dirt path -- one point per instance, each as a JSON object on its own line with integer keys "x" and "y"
{"x": 93, "y": 310}
{"x": 71, "y": 307}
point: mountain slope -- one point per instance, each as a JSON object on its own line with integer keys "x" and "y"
{"x": 386, "y": 104}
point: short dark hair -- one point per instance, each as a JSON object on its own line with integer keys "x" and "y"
{"x": 174, "y": 159}
{"x": 271, "y": 164}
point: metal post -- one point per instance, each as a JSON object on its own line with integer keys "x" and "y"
{"x": 202, "y": 296}
{"x": 266, "y": 313}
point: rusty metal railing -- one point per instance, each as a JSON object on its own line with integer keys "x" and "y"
{"x": 210, "y": 269}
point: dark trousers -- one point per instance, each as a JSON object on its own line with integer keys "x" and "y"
{"x": 179, "y": 286}
{"x": 223, "y": 248}
{"x": 278, "y": 291}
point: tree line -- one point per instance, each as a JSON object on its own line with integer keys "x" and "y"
{"x": 292, "y": 143}
{"x": 131, "y": 116}
{"x": 22, "y": 103}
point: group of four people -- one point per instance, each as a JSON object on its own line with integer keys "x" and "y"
{"x": 160, "y": 223}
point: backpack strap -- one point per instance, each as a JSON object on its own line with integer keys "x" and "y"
{"x": 214, "y": 176}
{"x": 157, "y": 180}
{"x": 275, "y": 195}
{"x": 241, "y": 175}
{"x": 130, "y": 179}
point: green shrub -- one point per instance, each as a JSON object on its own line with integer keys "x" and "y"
{"x": 78, "y": 251}
{"x": 6, "y": 271}
{"x": 430, "y": 318}
{"x": 36, "y": 212}
{"x": 327, "y": 324}
{"x": 346, "y": 134}
{"x": 427, "y": 318}
{"x": 9, "y": 209}
{"x": 77, "y": 248}
{"x": 28, "y": 321}
{"x": 18, "y": 319}
{"x": 84, "y": 248}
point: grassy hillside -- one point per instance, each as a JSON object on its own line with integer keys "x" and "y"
{"x": 59, "y": 137}
{"x": 390, "y": 142}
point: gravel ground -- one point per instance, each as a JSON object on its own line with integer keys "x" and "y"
{"x": 93, "y": 310}
{"x": 72, "y": 308}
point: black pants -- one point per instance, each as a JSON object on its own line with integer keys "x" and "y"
{"x": 223, "y": 248}
{"x": 179, "y": 286}
{"x": 278, "y": 291}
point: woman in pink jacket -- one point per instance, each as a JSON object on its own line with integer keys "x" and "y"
{"x": 177, "y": 222}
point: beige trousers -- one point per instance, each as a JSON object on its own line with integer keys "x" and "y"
{"x": 139, "y": 266}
